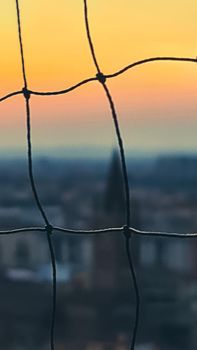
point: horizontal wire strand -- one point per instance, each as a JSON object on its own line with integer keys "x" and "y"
{"x": 10, "y": 95}
{"x": 101, "y": 231}
{"x": 149, "y": 60}
{"x": 65, "y": 91}
{"x": 22, "y": 230}
{"x": 107, "y": 76}
{"x": 162, "y": 234}
{"x": 89, "y": 232}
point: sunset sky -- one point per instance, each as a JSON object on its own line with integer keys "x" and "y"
{"x": 156, "y": 103}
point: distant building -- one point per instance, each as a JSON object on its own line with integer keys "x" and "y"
{"x": 110, "y": 265}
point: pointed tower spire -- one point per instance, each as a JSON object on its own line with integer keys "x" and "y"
{"x": 114, "y": 201}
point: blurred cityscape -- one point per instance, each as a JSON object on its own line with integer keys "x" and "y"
{"x": 96, "y": 300}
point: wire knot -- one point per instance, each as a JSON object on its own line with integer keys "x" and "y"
{"x": 49, "y": 229}
{"x": 101, "y": 77}
{"x": 126, "y": 232}
{"x": 26, "y": 93}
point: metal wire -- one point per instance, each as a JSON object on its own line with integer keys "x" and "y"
{"x": 10, "y": 95}
{"x": 137, "y": 293}
{"x": 152, "y": 59}
{"x": 107, "y": 76}
{"x": 102, "y": 80}
{"x": 48, "y": 228}
{"x": 21, "y": 44}
{"x": 115, "y": 230}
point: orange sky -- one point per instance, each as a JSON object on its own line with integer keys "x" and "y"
{"x": 156, "y": 102}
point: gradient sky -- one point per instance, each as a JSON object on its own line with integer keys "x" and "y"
{"x": 156, "y": 102}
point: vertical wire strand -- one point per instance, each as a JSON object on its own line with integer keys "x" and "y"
{"x": 48, "y": 227}
{"x": 54, "y": 288}
{"x": 21, "y": 44}
{"x": 102, "y": 79}
{"x": 137, "y": 294}
{"x": 127, "y": 235}
{"x": 89, "y": 37}
{"x": 30, "y": 164}
{"x": 122, "y": 153}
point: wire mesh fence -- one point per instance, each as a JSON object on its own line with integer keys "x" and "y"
{"x": 48, "y": 228}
